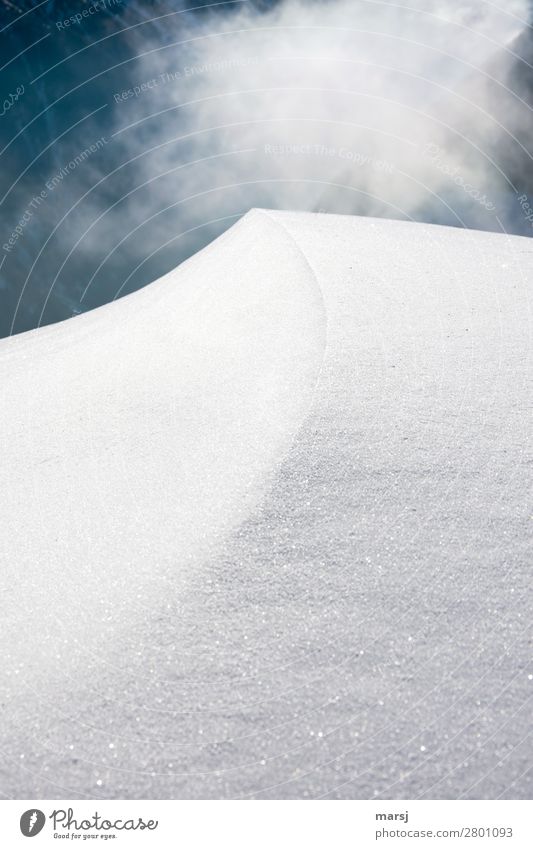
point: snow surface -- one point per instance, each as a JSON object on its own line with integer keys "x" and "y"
{"x": 264, "y": 524}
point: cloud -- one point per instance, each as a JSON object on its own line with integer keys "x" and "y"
{"x": 336, "y": 106}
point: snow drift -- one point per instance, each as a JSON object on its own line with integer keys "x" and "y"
{"x": 264, "y": 523}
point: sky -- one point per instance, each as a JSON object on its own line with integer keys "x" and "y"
{"x": 133, "y": 134}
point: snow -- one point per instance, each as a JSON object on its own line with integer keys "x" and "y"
{"x": 264, "y": 526}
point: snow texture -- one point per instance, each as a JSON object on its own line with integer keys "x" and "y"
{"x": 264, "y": 525}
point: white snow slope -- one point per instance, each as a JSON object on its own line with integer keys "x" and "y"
{"x": 264, "y": 524}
